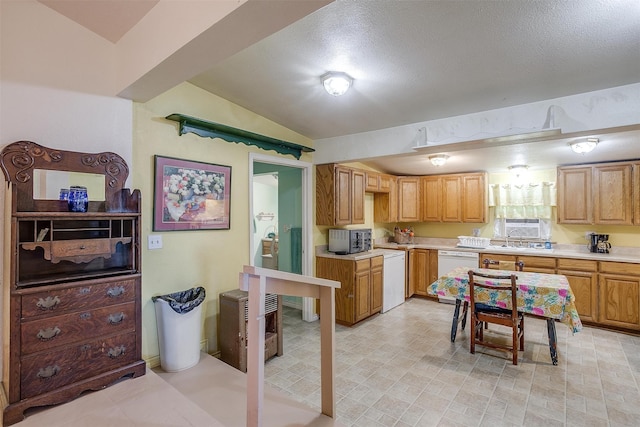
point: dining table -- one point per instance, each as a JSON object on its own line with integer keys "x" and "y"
{"x": 543, "y": 295}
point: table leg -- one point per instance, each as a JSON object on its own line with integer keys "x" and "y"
{"x": 465, "y": 308}
{"x": 454, "y": 324}
{"x": 553, "y": 340}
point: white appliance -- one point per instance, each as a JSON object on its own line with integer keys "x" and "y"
{"x": 393, "y": 280}
{"x": 448, "y": 260}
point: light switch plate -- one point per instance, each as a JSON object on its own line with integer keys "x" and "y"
{"x": 155, "y": 241}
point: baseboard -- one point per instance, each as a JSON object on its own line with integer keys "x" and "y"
{"x": 154, "y": 361}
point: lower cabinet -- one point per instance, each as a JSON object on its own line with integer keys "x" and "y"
{"x": 619, "y": 295}
{"x": 360, "y": 294}
{"x": 583, "y": 279}
{"x": 423, "y": 270}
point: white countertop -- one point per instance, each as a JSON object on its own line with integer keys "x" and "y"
{"x": 627, "y": 254}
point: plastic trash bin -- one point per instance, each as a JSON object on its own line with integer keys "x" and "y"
{"x": 178, "y": 316}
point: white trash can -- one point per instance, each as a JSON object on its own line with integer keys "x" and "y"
{"x": 178, "y": 316}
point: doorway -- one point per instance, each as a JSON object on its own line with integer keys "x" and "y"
{"x": 280, "y": 220}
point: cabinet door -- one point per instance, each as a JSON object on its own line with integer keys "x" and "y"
{"x": 376, "y": 284}
{"x": 574, "y": 195}
{"x": 372, "y": 182}
{"x": 385, "y": 204}
{"x": 636, "y": 193}
{"x": 619, "y": 298}
{"x": 408, "y": 199}
{"x": 342, "y": 271}
{"x": 421, "y": 271}
{"x": 474, "y": 200}
{"x": 385, "y": 183}
{"x": 613, "y": 195}
{"x": 362, "y": 295}
{"x": 433, "y": 268}
{"x": 357, "y": 197}
{"x": 584, "y": 286}
{"x": 431, "y": 198}
{"x": 343, "y": 196}
{"x": 451, "y": 196}
{"x": 411, "y": 282}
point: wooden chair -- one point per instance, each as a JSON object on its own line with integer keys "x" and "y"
{"x": 502, "y": 265}
{"x": 482, "y": 282}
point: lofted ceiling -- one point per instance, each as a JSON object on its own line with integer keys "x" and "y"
{"x": 414, "y": 61}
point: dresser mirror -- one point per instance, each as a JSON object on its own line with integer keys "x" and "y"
{"x": 47, "y": 184}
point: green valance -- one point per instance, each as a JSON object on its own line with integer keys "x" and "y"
{"x": 230, "y": 134}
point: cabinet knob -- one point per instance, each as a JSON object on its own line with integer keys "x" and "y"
{"x": 48, "y": 303}
{"x": 116, "y": 318}
{"x": 48, "y": 334}
{"x": 115, "y": 352}
{"x": 116, "y": 291}
{"x": 48, "y": 372}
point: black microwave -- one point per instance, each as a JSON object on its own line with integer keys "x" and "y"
{"x": 344, "y": 242}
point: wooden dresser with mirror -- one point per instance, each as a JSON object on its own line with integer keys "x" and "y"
{"x": 71, "y": 297}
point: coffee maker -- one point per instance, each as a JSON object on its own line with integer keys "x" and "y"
{"x": 599, "y": 243}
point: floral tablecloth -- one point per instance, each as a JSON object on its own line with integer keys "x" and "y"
{"x": 545, "y": 295}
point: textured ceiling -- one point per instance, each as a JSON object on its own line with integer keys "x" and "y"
{"x": 415, "y": 61}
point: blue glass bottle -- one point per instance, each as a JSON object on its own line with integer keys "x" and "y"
{"x": 78, "y": 199}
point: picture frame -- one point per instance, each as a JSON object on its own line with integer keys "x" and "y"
{"x": 190, "y": 195}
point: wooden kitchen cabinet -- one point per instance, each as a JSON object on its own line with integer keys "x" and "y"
{"x": 372, "y": 182}
{"x": 496, "y": 257}
{"x": 636, "y": 192}
{"x": 597, "y": 194}
{"x": 619, "y": 295}
{"x": 360, "y": 295}
{"x": 73, "y": 282}
{"x": 385, "y": 204}
{"x": 538, "y": 264}
{"x": 583, "y": 279}
{"x": 474, "y": 197}
{"x": 423, "y": 270}
{"x": 575, "y": 205}
{"x": 454, "y": 198}
{"x": 339, "y": 195}
{"x": 409, "y": 199}
{"x": 613, "y": 194}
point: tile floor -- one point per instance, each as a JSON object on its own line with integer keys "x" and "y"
{"x": 396, "y": 369}
{"x": 401, "y": 369}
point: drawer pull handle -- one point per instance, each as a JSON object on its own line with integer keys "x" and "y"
{"x": 48, "y": 334}
{"x": 114, "y": 319}
{"x": 85, "y": 316}
{"x": 48, "y": 372}
{"x": 83, "y": 247}
{"x": 115, "y": 352}
{"x": 85, "y": 347}
{"x": 48, "y": 303}
{"x": 116, "y": 291}
{"x": 85, "y": 291}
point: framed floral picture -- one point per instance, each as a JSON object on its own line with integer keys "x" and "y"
{"x": 191, "y": 195}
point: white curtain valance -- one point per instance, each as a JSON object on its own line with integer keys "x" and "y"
{"x": 532, "y": 200}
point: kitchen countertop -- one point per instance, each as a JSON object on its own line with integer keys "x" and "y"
{"x": 618, "y": 254}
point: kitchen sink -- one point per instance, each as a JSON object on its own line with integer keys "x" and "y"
{"x": 519, "y": 249}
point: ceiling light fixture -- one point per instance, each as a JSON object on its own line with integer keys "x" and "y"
{"x": 582, "y": 147}
{"x": 438, "y": 159}
{"x": 336, "y": 83}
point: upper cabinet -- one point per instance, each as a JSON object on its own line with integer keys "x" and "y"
{"x": 454, "y": 198}
{"x": 339, "y": 195}
{"x": 409, "y": 199}
{"x": 385, "y": 204}
{"x": 599, "y": 194}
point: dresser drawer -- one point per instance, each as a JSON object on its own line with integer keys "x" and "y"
{"x": 54, "y": 369}
{"x": 56, "y": 331}
{"x": 58, "y": 301}
{"x": 82, "y": 247}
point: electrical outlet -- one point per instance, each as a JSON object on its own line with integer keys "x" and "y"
{"x": 155, "y": 241}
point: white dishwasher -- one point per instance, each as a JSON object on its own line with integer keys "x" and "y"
{"x": 393, "y": 279}
{"x": 448, "y": 260}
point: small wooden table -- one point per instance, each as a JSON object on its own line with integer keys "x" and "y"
{"x": 544, "y": 295}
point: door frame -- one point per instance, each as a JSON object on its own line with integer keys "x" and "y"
{"x": 308, "y": 304}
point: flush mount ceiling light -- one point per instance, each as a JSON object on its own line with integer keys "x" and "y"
{"x": 518, "y": 170}
{"x": 336, "y": 83}
{"x": 438, "y": 159}
{"x": 582, "y": 147}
